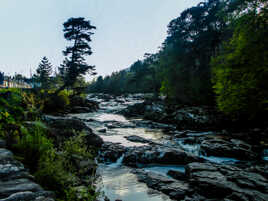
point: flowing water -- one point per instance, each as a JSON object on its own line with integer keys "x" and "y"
{"x": 117, "y": 181}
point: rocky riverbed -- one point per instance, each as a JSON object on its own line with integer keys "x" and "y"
{"x": 151, "y": 153}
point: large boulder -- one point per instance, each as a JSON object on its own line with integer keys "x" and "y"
{"x": 223, "y": 148}
{"x": 135, "y": 138}
{"x": 64, "y": 127}
{"x": 157, "y": 155}
{"x": 110, "y": 152}
{"x": 226, "y": 182}
{"x": 16, "y": 184}
{"x": 201, "y": 118}
{"x": 136, "y": 110}
{"x": 174, "y": 189}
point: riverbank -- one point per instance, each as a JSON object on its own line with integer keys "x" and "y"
{"x": 55, "y": 153}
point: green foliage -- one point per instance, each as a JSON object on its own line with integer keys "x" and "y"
{"x": 51, "y": 173}
{"x": 140, "y": 77}
{"x": 241, "y": 70}
{"x": 87, "y": 194}
{"x": 44, "y": 71}
{"x": 57, "y": 170}
{"x": 54, "y": 168}
{"x": 58, "y": 102}
{"x": 32, "y": 145}
{"x": 184, "y": 59}
{"x": 76, "y": 145}
{"x": 11, "y": 114}
{"x": 78, "y": 31}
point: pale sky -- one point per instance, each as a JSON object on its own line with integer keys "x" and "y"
{"x": 126, "y": 29}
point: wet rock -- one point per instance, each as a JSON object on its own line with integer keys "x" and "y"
{"x": 197, "y": 118}
{"x": 11, "y": 169}
{"x": 135, "y": 138}
{"x": 110, "y": 152}
{"x": 136, "y": 110}
{"x": 234, "y": 148}
{"x": 93, "y": 140}
{"x": 65, "y": 123}
{"x": 226, "y": 182}
{"x": 106, "y": 199}
{"x": 103, "y": 130}
{"x": 16, "y": 183}
{"x": 153, "y": 125}
{"x": 61, "y": 128}
{"x": 176, "y": 175}
{"x": 261, "y": 169}
{"x": 116, "y": 124}
{"x": 157, "y": 155}
{"x": 155, "y": 112}
{"x": 174, "y": 189}
{"x": 30, "y": 196}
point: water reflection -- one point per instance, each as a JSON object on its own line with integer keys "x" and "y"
{"x": 120, "y": 183}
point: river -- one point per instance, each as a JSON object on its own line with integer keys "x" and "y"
{"x": 119, "y": 182}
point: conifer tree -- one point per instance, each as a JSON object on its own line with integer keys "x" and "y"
{"x": 44, "y": 71}
{"x": 78, "y": 32}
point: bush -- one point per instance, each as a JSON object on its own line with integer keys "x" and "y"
{"x": 51, "y": 173}
{"x": 33, "y": 145}
{"x": 76, "y": 145}
{"x": 57, "y": 103}
{"x": 57, "y": 171}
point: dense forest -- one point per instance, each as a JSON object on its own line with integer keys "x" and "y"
{"x": 215, "y": 52}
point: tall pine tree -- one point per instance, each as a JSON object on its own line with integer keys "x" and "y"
{"x": 78, "y": 32}
{"x": 44, "y": 71}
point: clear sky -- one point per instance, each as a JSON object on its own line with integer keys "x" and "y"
{"x": 126, "y": 29}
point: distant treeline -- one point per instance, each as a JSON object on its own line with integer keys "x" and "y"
{"x": 215, "y": 52}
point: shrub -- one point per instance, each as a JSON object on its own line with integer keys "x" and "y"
{"x": 51, "y": 173}
{"x": 33, "y": 145}
{"x": 57, "y": 103}
{"x": 57, "y": 170}
{"x": 76, "y": 145}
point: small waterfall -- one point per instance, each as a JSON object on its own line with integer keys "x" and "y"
{"x": 118, "y": 163}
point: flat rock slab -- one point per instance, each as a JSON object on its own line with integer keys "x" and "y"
{"x": 16, "y": 182}
{"x": 158, "y": 155}
{"x": 227, "y": 182}
{"x": 30, "y": 196}
{"x": 174, "y": 189}
{"x": 135, "y": 138}
{"x": 19, "y": 185}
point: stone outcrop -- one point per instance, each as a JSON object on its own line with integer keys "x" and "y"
{"x": 158, "y": 155}
{"x": 174, "y": 189}
{"x": 16, "y": 183}
{"x": 227, "y": 182}
{"x": 200, "y": 118}
{"x": 223, "y": 148}
{"x": 64, "y": 127}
